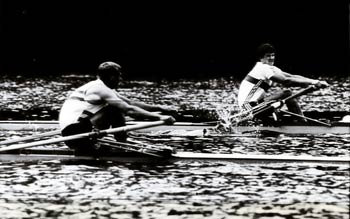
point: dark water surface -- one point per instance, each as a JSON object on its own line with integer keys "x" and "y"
{"x": 177, "y": 189}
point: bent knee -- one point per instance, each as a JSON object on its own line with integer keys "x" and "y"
{"x": 288, "y": 93}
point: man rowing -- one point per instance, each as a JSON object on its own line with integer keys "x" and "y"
{"x": 97, "y": 105}
{"x": 254, "y": 88}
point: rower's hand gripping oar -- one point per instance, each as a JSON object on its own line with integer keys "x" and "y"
{"x": 94, "y": 134}
{"x": 249, "y": 114}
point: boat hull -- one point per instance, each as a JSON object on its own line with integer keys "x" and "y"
{"x": 334, "y": 128}
{"x": 124, "y": 156}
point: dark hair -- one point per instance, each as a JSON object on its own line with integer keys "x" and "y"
{"x": 108, "y": 68}
{"x": 263, "y": 49}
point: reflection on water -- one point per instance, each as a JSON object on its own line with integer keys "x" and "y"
{"x": 178, "y": 189}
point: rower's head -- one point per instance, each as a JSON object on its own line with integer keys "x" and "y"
{"x": 110, "y": 73}
{"x": 266, "y": 54}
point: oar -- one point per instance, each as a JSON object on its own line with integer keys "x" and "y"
{"x": 178, "y": 123}
{"x": 29, "y": 138}
{"x": 278, "y": 104}
{"x": 264, "y": 107}
{"x": 94, "y": 134}
{"x": 305, "y": 117}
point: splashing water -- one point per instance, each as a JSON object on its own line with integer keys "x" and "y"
{"x": 225, "y": 109}
{"x": 230, "y": 115}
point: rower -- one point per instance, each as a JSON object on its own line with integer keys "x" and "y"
{"x": 97, "y": 105}
{"x": 254, "y": 88}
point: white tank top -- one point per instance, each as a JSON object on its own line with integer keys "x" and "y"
{"x": 249, "y": 92}
{"x": 74, "y": 106}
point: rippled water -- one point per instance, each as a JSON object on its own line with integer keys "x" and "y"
{"x": 181, "y": 188}
{"x": 184, "y": 189}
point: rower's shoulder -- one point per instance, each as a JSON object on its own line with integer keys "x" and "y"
{"x": 97, "y": 87}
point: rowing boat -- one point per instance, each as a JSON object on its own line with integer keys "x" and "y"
{"x": 124, "y": 156}
{"x": 13, "y": 150}
{"x": 333, "y": 128}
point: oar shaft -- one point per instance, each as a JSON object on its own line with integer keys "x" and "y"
{"x": 32, "y": 137}
{"x": 83, "y": 135}
{"x": 132, "y": 127}
{"x": 300, "y": 93}
{"x": 178, "y": 123}
{"x": 259, "y": 109}
{"x": 304, "y": 117}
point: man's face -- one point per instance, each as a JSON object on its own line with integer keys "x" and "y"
{"x": 269, "y": 58}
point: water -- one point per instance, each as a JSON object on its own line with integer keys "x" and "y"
{"x": 181, "y": 188}
{"x": 178, "y": 189}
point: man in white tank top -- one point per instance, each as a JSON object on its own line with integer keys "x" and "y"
{"x": 264, "y": 74}
{"x": 97, "y": 105}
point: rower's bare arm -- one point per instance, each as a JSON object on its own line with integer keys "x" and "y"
{"x": 297, "y": 80}
{"x": 127, "y": 100}
{"x": 146, "y": 106}
{"x": 135, "y": 111}
{"x": 110, "y": 97}
{"x": 138, "y": 103}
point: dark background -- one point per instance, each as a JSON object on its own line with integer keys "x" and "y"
{"x": 173, "y": 39}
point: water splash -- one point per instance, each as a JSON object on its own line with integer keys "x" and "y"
{"x": 225, "y": 110}
{"x": 230, "y": 115}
